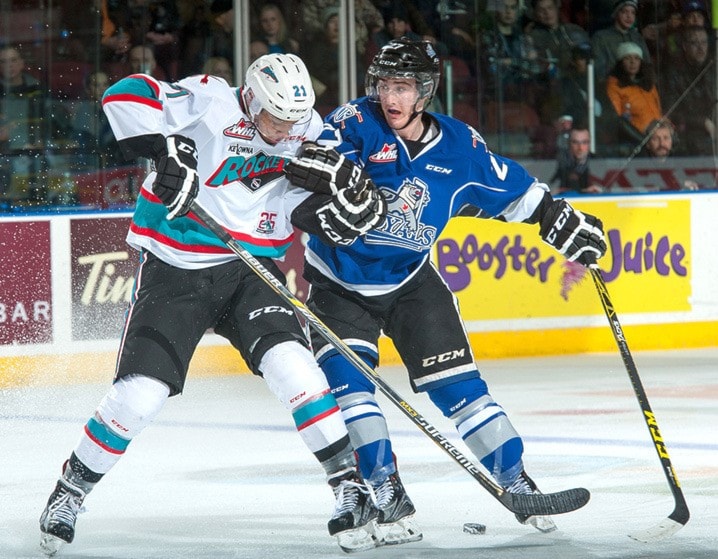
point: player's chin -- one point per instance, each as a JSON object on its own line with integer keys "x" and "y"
{"x": 395, "y": 119}
{"x": 272, "y": 140}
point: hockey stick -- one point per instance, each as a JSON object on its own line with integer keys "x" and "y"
{"x": 680, "y": 515}
{"x": 534, "y": 504}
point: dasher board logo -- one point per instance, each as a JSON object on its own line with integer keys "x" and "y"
{"x": 26, "y": 293}
{"x": 103, "y": 276}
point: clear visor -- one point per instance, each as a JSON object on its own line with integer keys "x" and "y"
{"x": 424, "y": 84}
{"x": 274, "y": 130}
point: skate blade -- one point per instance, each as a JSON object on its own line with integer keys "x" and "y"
{"x": 543, "y": 524}
{"x": 404, "y": 530}
{"x": 50, "y": 544}
{"x": 359, "y": 539}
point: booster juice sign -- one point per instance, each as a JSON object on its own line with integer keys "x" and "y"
{"x": 505, "y": 271}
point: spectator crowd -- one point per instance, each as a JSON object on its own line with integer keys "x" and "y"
{"x": 522, "y": 69}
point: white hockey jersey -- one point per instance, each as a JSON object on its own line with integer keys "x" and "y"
{"x": 240, "y": 175}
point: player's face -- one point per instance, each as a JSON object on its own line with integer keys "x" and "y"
{"x": 398, "y": 97}
{"x": 271, "y": 128}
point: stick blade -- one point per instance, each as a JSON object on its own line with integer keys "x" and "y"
{"x": 663, "y": 529}
{"x": 544, "y": 504}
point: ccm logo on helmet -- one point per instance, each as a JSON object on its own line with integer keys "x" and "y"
{"x": 443, "y": 357}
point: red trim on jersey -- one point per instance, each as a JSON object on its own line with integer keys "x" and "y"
{"x": 236, "y": 235}
{"x": 132, "y": 98}
{"x": 151, "y": 82}
{"x": 165, "y": 240}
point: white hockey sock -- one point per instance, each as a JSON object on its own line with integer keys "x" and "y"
{"x": 129, "y": 406}
{"x": 294, "y": 377}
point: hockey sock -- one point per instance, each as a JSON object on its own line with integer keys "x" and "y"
{"x": 363, "y": 416}
{"x": 130, "y": 405}
{"x": 483, "y": 425}
{"x": 302, "y": 388}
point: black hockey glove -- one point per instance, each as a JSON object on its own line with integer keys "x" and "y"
{"x": 177, "y": 183}
{"x": 350, "y": 214}
{"x": 578, "y": 236}
{"x": 323, "y": 169}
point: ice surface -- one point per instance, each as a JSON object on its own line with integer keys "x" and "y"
{"x": 222, "y": 473}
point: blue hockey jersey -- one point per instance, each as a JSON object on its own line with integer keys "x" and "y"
{"x": 453, "y": 170}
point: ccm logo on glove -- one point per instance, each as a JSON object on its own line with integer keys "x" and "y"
{"x": 177, "y": 182}
{"x": 578, "y": 236}
{"x": 558, "y": 224}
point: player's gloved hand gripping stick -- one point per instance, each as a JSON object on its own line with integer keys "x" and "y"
{"x": 177, "y": 182}
{"x": 578, "y": 236}
{"x": 527, "y": 504}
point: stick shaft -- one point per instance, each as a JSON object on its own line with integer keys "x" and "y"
{"x": 531, "y": 504}
{"x": 680, "y": 513}
{"x": 345, "y": 350}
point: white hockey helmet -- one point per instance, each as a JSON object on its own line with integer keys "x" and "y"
{"x": 279, "y": 84}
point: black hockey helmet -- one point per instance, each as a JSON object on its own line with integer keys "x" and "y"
{"x": 405, "y": 58}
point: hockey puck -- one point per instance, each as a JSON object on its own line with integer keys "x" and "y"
{"x": 474, "y": 528}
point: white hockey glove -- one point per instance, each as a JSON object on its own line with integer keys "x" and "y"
{"x": 177, "y": 183}
{"x": 578, "y": 236}
{"x": 323, "y": 169}
{"x": 350, "y": 213}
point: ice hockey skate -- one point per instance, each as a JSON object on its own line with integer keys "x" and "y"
{"x": 57, "y": 522}
{"x": 525, "y": 485}
{"x": 396, "y": 512}
{"x": 354, "y": 519}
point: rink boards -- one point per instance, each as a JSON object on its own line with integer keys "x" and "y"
{"x": 67, "y": 280}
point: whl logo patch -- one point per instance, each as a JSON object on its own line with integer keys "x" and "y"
{"x": 386, "y": 154}
{"x": 243, "y": 130}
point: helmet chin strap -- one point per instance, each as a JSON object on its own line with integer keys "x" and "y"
{"x": 411, "y": 119}
{"x": 413, "y": 115}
